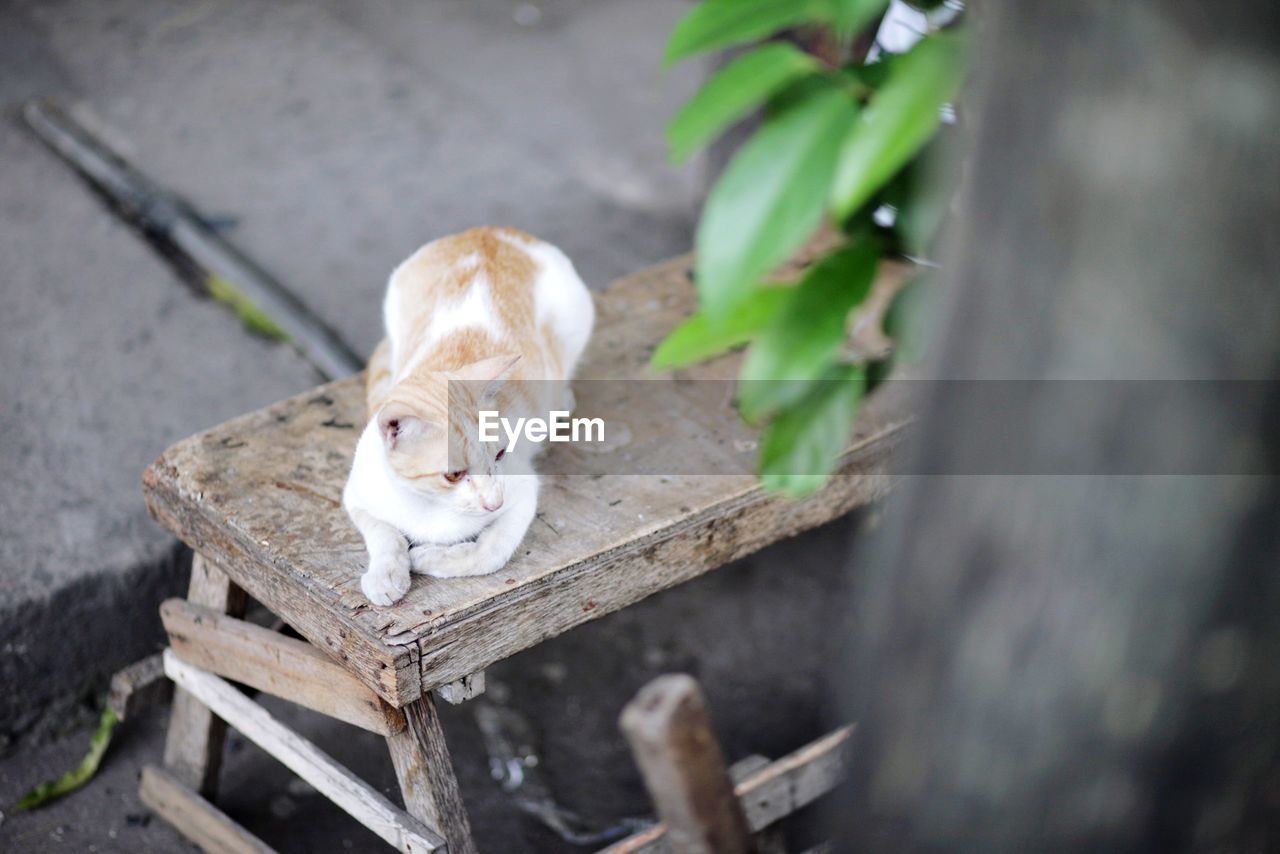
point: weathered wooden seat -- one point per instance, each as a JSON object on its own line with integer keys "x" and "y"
{"x": 259, "y": 499}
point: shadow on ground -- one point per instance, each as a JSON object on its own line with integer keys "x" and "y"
{"x": 757, "y": 633}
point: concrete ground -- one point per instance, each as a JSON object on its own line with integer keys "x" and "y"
{"x": 333, "y": 138}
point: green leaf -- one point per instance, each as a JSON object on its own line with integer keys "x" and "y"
{"x": 871, "y": 76}
{"x": 799, "y": 449}
{"x": 852, "y": 15}
{"x": 797, "y": 93}
{"x": 697, "y": 338}
{"x": 798, "y": 347}
{"x": 900, "y": 119}
{"x": 715, "y": 24}
{"x": 733, "y": 92}
{"x": 74, "y": 779}
{"x": 770, "y": 199}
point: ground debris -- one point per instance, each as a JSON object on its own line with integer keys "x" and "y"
{"x": 514, "y": 764}
{"x": 78, "y": 776}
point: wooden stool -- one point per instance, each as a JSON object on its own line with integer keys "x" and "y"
{"x": 258, "y": 499}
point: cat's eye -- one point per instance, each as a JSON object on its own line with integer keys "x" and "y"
{"x": 501, "y": 453}
{"x": 455, "y": 476}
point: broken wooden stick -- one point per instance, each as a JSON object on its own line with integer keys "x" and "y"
{"x": 669, "y": 730}
{"x": 139, "y": 686}
{"x": 769, "y": 791}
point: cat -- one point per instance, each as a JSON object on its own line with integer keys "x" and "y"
{"x": 470, "y": 320}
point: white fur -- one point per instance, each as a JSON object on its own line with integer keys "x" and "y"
{"x": 561, "y": 296}
{"x": 453, "y": 535}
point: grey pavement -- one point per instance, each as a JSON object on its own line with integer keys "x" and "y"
{"x": 107, "y": 359}
{"x": 341, "y": 136}
{"x": 336, "y": 137}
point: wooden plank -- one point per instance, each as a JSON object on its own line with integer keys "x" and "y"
{"x": 262, "y": 494}
{"x": 772, "y": 792}
{"x": 193, "y": 744}
{"x": 746, "y": 766}
{"x": 281, "y": 666}
{"x": 651, "y": 840}
{"x": 602, "y": 583}
{"x": 194, "y": 817}
{"x": 541, "y": 602}
{"x": 669, "y": 729}
{"x": 213, "y": 588}
{"x": 466, "y": 688}
{"x": 139, "y": 686}
{"x": 303, "y": 758}
{"x": 391, "y": 670}
{"x": 796, "y": 780}
{"x": 425, "y": 772}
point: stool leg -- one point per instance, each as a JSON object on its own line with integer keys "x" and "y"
{"x": 193, "y": 748}
{"x": 426, "y": 776}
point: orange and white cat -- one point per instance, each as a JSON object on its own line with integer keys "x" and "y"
{"x": 507, "y": 314}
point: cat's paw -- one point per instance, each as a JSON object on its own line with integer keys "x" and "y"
{"x": 387, "y": 579}
{"x": 450, "y": 561}
{"x": 421, "y": 556}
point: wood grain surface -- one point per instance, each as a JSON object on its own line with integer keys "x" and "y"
{"x": 261, "y": 496}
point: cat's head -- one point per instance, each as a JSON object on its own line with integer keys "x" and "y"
{"x": 431, "y": 436}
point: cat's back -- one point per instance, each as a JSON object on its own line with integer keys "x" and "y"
{"x": 502, "y": 281}
{"x": 488, "y": 267}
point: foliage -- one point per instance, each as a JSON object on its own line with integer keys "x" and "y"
{"x": 793, "y": 451}
{"x": 835, "y": 143}
{"x": 801, "y": 342}
{"x": 81, "y": 774}
{"x": 734, "y": 92}
{"x": 770, "y": 199}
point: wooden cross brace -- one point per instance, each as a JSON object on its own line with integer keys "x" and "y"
{"x": 210, "y": 645}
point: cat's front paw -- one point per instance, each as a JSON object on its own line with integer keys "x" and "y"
{"x": 450, "y": 561}
{"x": 422, "y": 556}
{"x": 387, "y": 579}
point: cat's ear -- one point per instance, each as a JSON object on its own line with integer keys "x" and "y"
{"x": 487, "y": 370}
{"x": 398, "y": 423}
{"x": 491, "y": 372}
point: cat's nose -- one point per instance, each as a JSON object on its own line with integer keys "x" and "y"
{"x": 492, "y": 505}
